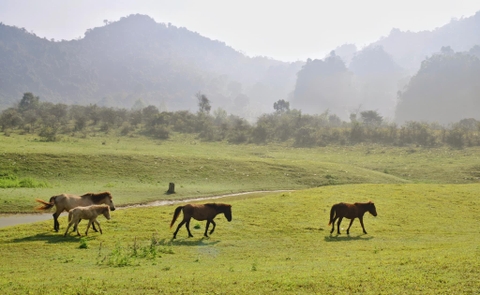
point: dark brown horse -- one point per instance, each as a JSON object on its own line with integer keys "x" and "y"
{"x": 201, "y": 212}
{"x": 350, "y": 211}
{"x": 66, "y": 202}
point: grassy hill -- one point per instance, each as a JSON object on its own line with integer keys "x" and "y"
{"x": 138, "y": 170}
{"x": 423, "y": 241}
{"x": 277, "y": 243}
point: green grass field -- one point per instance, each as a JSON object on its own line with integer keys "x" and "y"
{"x": 425, "y": 239}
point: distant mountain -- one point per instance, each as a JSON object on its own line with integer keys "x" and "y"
{"x": 409, "y": 49}
{"x": 382, "y": 72}
{"x": 136, "y": 62}
{"x": 136, "y": 59}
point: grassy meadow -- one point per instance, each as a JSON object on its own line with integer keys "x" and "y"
{"x": 425, "y": 239}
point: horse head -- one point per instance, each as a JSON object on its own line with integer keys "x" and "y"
{"x": 372, "y": 209}
{"x": 109, "y": 201}
{"x": 106, "y": 212}
{"x": 228, "y": 212}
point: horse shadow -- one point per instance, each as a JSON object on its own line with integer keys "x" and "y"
{"x": 190, "y": 242}
{"x": 46, "y": 237}
{"x": 346, "y": 238}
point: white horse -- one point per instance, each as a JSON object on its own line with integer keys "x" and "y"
{"x": 90, "y": 213}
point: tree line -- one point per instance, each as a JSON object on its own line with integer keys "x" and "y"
{"x": 51, "y": 122}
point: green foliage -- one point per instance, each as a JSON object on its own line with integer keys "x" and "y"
{"x": 54, "y": 122}
{"x": 281, "y": 106}
{"x": 83, "y": 243}
{"x": 204, "y": 106}
{"x": 12, "y": 181}
{"x": 122, "y": 256}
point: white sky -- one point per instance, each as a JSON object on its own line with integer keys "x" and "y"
{"x": 280, "y": 29}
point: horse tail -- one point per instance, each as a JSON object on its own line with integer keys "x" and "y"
{"x": 175, "y": 215}
{"x": 332, "y": 214}
{"x": 46, "y": 205}
{"x": 70, "y": 215}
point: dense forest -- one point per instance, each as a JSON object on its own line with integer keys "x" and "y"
{"x": 53, "y": 122}
{"x": 135, "y": 63}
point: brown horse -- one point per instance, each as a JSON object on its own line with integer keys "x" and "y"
{"x": 201, "y": 212}
{"x": 350, "y": 211}
{"x": 66, "y": 202}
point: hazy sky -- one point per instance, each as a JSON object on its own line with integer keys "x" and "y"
{"x": 284, "y": 30}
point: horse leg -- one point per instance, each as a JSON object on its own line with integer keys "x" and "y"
{"x": 88, "y": 226}
{"x": 363, "y": 227}
{"x": 338, "y": 224}
{"x": 76, "y": 226}
{"x": 69, "y": 225}
{"x": 214, "y": 225}
{"x": 93, "y": 227}
{"x": 178, "y": 227}
{"x": 348, "y": 229}
{"x": 99, "y": 227}
{"x": 56, "y": 224}
{"x": 206, "y": 228}
{"x": 333, "y": 225}
{"x": 187, "y": 225}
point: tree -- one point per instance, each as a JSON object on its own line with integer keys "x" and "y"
{"x": 138, "y": 105}
{"x": 447, "y": 50}
{"x": 10, "y": 118}
{"x": 28, "y": 102}
{"x": 475, "y": 51}
{"x": 281, "y": 106}
{"x": 324, "y": 85}
{"x": 203, "y": 103}
{"x": 371, "y": 118}
{"x": 149, "y": 113}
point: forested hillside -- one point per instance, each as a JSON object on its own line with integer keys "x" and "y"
{"x": 407, "y": 76}
{"x": 136, "y": 60}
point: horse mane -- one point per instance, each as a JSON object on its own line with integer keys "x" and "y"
{"x": 217, "y": 205}
{"x": 212, "y": 205}
{"x": 366, "y": 203}
{"x": 97, "y": 198}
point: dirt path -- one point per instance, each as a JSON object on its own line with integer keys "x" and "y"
{"x": 14, "y": 219}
